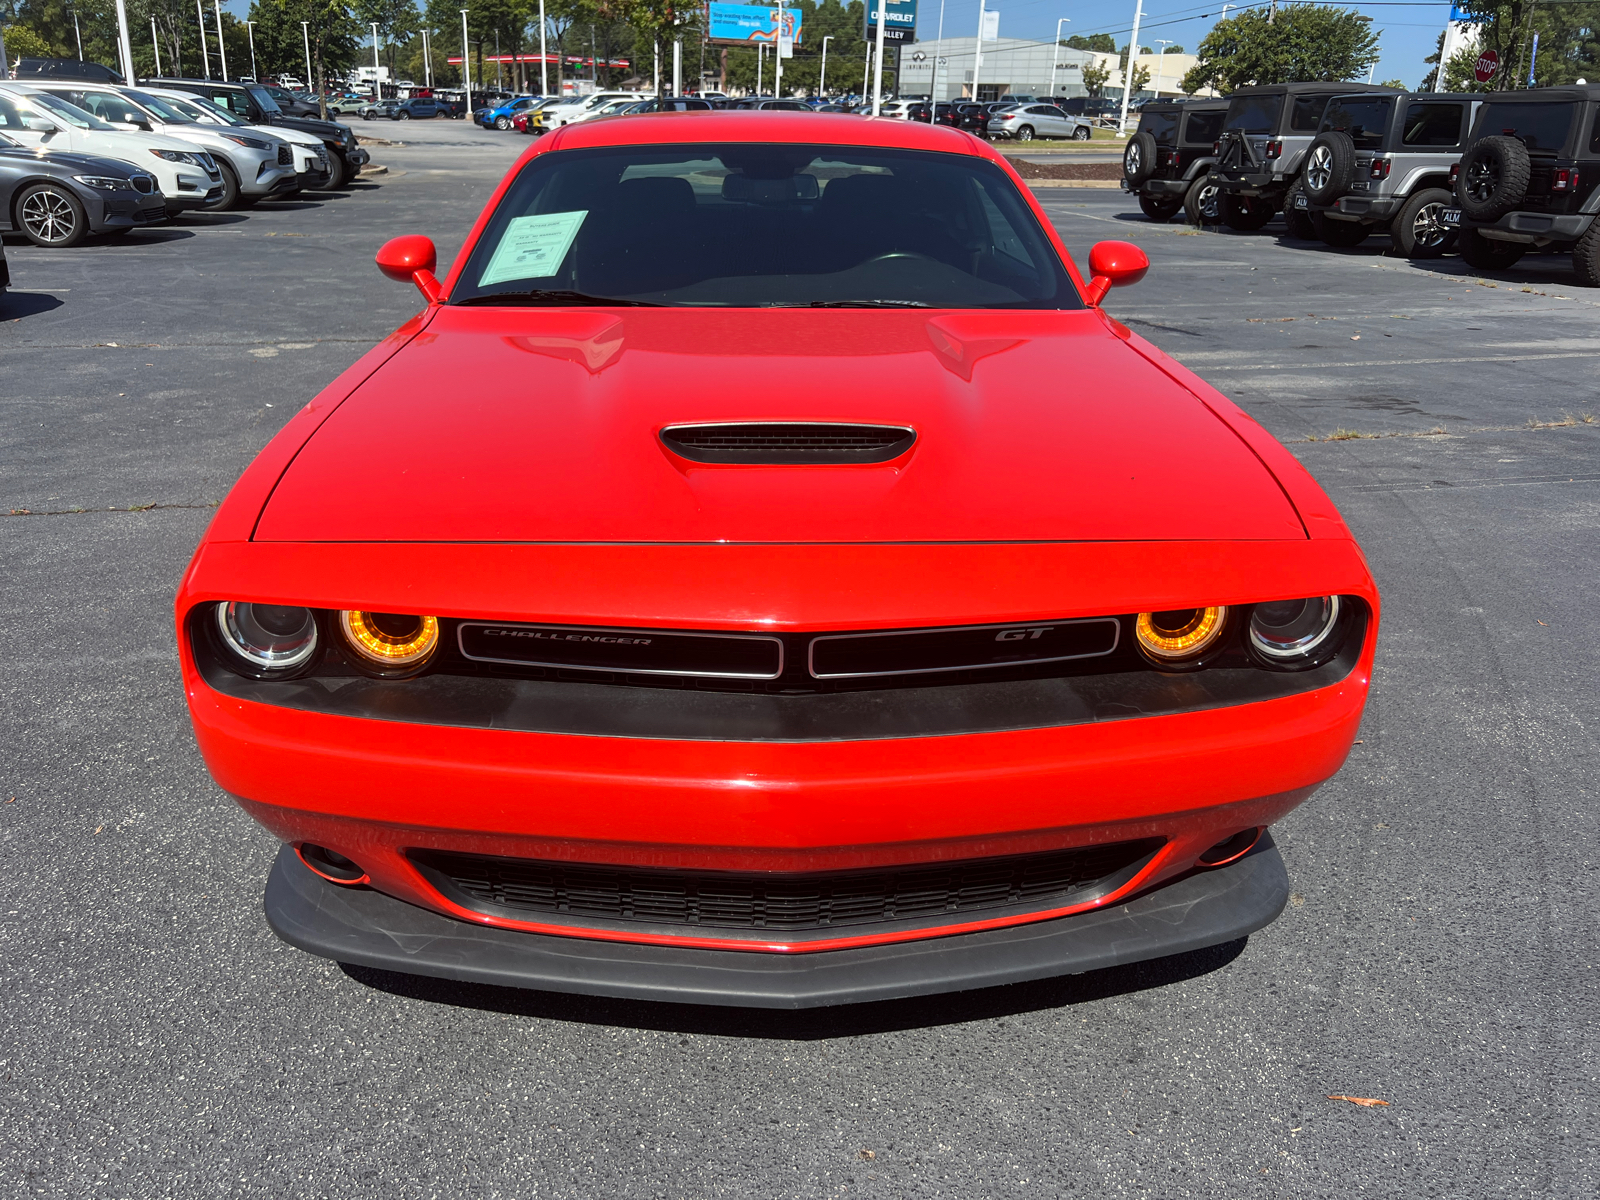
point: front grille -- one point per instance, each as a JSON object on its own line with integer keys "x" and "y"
{"x": 285, "y": 155}
{"x": 143, "y": 184}
{"x": 924, "y": 893}
{"x": 788, "y": 443}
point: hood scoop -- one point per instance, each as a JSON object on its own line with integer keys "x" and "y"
{"x": 788, "y": 443}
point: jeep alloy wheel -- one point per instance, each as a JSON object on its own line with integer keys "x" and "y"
{"x": 1319, "y": 168}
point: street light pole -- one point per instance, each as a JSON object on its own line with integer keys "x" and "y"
{"x": 427, "y": 63}
{"x": 777, "y": 54}
{"x": 544, "y": 60}
{"x": 977, "y": 53}
{"x": 155, "y": 45}
{"x": 305, "y": 36}
{"x": 761, "y": 59}
{"x": 933, "y": 79}
{"x": 377, "y": 86}
{"x": 205, "y": 54}
{"x": 1161, "y": 62}
{"x": 1056, "y": 49}
{"x": 222, "y": 51}
{"x": 466, "y": 64}
{"x": 124, "y": 46}
{"x": 1127, "y": 72}
{"x": 822, "y": 76}
{"x": 677, "y": 67}
{"x": 78, "y": 32}
{"x": 877, "y": 76}
{"x": 250, "y": 32}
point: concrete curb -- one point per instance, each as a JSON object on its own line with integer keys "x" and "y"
{"x": 1073, "y": 183}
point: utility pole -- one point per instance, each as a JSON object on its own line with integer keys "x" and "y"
{"x": 205, "y": 54}
{"x": 1127, "y": 72}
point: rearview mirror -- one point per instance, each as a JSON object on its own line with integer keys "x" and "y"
{"x": 411, "y": 259}
{"x": 1114, "y": 264}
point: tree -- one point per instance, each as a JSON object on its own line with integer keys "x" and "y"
{"x": 1141, "y": 77}
{"x": 397, "y": 20}
{"x": 1102, "y": 43}
{"x": 1569, "y": 43}
{"x": 1305, "y": 42}
{"x": 1094, "y": 78}
{"x": 1172, "y": 49}
{"x": 332, "y": 32}
{"x": 1459, "y": 73}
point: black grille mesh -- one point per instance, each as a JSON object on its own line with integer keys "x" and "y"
{"x": 285, "y": 155}
{"x": 771, "y": 901}
{"x": 144, "y": 184}
{"x": 788, "y": 443}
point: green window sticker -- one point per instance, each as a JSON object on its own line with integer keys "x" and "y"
{"x": 533, "y": 247}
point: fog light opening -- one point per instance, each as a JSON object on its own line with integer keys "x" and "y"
{"x": 1231, "y": 849}
{"x": 330, "y": 864}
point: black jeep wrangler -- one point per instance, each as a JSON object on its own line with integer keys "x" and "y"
{"x": 1530, "y": 177}
{"x": 1167, "y": 161}
{"x": 1263, "y": 147}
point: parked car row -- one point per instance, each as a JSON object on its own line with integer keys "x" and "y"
{"x": 80, "y": 158}
{"x": 1492, "y": 175}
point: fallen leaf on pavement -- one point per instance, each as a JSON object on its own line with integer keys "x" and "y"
{"x": 1364, "y": 1101}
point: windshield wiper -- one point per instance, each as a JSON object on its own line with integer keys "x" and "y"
{"x": 854, "y": 304}
{"x": 557, "y": 296}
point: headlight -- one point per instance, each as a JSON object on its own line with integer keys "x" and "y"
{"x": 268, "y": 637}
{"x": 390, "y": 642}
{"x": 173, "y": 155}
{"x": 1290, "y": 631}
{"x": 104, "y": 183}
{"x": 252, "y": 143}
{"x": 1179, "y": 635}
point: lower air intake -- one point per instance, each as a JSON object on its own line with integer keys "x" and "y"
{"x": 788, "y": 443}
{"x": 773, "y": 902}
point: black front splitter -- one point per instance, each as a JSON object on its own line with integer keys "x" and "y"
{"x": 367, "y": 928}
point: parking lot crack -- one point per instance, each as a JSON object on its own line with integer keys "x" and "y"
{"x": 110, "y": 508}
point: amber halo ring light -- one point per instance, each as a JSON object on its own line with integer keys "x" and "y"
{"x": 389, "y": 643}
{"x": 1179, "y": 635}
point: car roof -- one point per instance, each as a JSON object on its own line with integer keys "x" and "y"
{"x": 1340, "y": 87}
{"x": 1568, "y": 94}
{"x": 721, "y": 125}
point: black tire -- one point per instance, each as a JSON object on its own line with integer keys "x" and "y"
{"x": 1586, "y": 256}
{"x": 339, "y": 173}
{"x": 1024, "y": 133}
{"x": 1417, "y": 231}
{"x": 1494, "y": 178}
{"x": 1330, "y": 166}
{"x": 229, "y": 200}
{"x": 502, "y": 123}
{"x": 402, "y": 115}
{"x": 51, "y": 216}
{"x": 1340, "y": 234}
{"x": 1139, "y": 159}
{"x": 1301, "y": 226}
{"x": 1202, "y": 204}
{"x": 1486, "y": 254}
{"x": 1082, "y": 134}
{"x": 1160, "y": 208}
{"x": 1245, "y": 213}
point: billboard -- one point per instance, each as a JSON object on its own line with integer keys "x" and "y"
{"x": 746, "y": 23}
{"x": 900, "y": 20}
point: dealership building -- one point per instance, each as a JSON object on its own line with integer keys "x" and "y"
{"x": 1015, "y": 66}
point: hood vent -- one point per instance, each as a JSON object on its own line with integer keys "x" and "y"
{"x": 788, "y": 443}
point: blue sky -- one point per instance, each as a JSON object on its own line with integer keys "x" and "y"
{"x": 1409, "y": 27}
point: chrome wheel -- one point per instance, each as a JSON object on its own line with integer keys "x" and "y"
{"x": 1319, "y": 169}
{"x": 1428, "y": 229}
{"x": 1130, "y": 160}
{"x": 1081, "y": 134}
{"x": 1210, "y": 203}
{"x": 49, "y": 218}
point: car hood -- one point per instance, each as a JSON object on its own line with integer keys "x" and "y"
{"x": 69, "y": 161}
{"x": 326, "y": 130}
{"x": 541, "y": 425}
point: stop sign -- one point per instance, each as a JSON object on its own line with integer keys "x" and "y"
{"x": 1488, "y": 65}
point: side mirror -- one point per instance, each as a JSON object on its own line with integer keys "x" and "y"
{"x": 411, "y": 259}
{"x": 1114, "y": 264}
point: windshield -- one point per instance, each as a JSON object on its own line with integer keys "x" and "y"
{"x": 108, "y": 106}
{"x": 1541, "y": 127}
{"x": 263, "y": 98}
{"x": 70, "y": 113}
{"x": 161, "y": 108}
{"x": 759, "y": 225}
{"x": 204, "y": 108}
{"x": 1254, "y": 114}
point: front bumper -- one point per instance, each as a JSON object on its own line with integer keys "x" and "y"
{"x": 1532, "y": 227}
{"x": 356, "y": 156}
{"x": 127, "y": 212}
{"x": 270, "y": 179}
{"x": 368, "y": 928}
{"x": 189, "y": 202}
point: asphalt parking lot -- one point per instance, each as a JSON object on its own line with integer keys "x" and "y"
{"x": 1439, "y": 951}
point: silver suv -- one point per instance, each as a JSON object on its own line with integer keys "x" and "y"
{"x": 1383, "y": 163}
{"x": 1263, "y": 146}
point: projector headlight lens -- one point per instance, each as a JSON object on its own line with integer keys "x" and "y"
{"x": 268, "y": 637}
{"x": 1289, "y": 631}
{"x": 1179, "y": 635}
{"x": 388, "y": 642}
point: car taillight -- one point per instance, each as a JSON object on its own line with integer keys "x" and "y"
{"x": 1169, "y": 158}
{"x": 1564, "y": 179}
{"x": 1008, "y": 116}
{"x": 1274, "y": 149}
{"x": 1216, "y": 146}
{"x": 1455, "y": 170}
{"x": 1380, "y": 168}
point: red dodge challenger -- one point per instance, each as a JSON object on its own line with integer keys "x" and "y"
{"x": 764, "y": 575}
